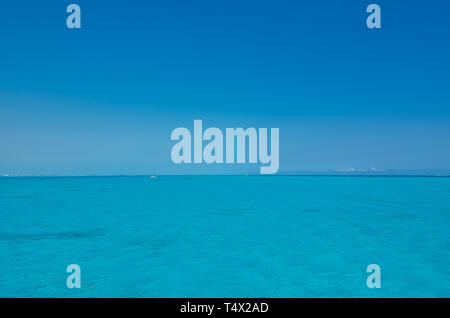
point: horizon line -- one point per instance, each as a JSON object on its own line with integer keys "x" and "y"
{"x": 445, "y": 175}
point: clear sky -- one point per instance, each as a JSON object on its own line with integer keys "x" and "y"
{"x": 104, "y": 99}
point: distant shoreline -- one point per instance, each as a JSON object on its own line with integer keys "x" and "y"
{"x": 231, "y": 175}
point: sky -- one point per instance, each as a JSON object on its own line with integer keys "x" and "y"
{"x": 105, "y": 98}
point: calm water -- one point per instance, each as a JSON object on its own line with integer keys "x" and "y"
{"x": 225, "y": 236}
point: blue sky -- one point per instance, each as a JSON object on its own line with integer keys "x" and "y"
{"x": 104, "y": 99}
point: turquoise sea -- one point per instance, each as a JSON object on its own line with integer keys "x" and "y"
{"x": 225, "y": 236}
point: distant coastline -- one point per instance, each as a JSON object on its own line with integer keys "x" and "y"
{"x": 309, "y": 173}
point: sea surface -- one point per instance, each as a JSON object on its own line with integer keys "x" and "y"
{"x": 225, "y": 236}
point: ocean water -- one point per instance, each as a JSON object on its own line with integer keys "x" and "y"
{"x": 225, "y": 236}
